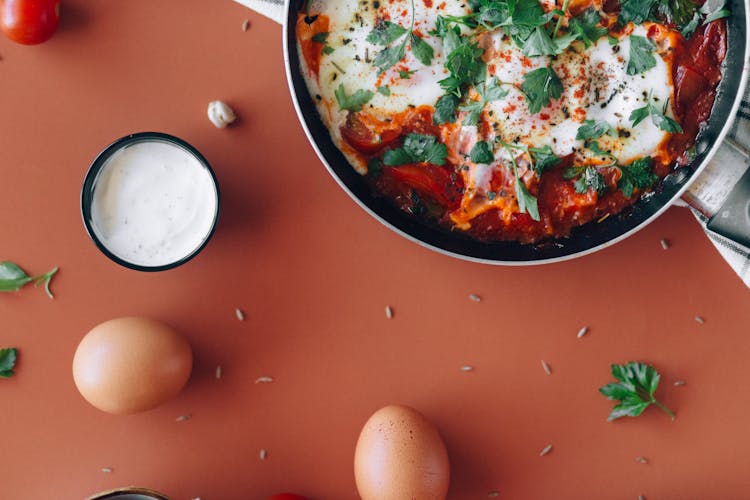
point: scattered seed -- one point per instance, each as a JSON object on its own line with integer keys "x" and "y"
{"x": 263, "y": 454}
{"x": 545, "y": 450}
{"x": 475, "y": 297}
{"x": 493, "y": 494}
{"x": 264, "y": 380}
{"x": 641, "y": 497}
{"x": 218, "y": 372}
{"x": 467, "y": 368}
{"x": 107, "y": 470}
{"x": 546, "y": 367}
{"x": 678, "y": 383}
{"x": 240, "y": 315}
{"x": 602, "y": 218}
{"x": 583, "y": 331}
{"x": 245, "y": 24}
{"x": 338, "y": 68}
{"x": 184, "y": 418}
{"x": 664, "y": 244}
{"x": 641, "y": 460}
{"x": 388, "y": 312}
{"x": 700, "y": 320}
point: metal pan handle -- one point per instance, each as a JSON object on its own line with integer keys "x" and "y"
{"x": 272, "y": 9}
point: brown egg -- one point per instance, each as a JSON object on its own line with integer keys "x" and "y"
{"x": 400, "y": 456}
{"x": 127, "y": 365}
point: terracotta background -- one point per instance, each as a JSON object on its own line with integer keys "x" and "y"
{"x": 313, "y": 273}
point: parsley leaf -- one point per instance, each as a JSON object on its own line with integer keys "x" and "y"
{"x": 527, "y": 203}
{"x": 405, "y": 75}
{"x": 352, "y": 102}
{"x": 539, "y": 43}
{"x": 637, "y": 383}
{"x": 445, "y": 109}
{"x": 417, "y": 148}
{"x": 544, "y": 159}
{"x": 636, "y": 175}
{"x": 384, "y": 90}
{"x": 13, "y": 278}
{"x": 540, "y": 86}
{"x": 641, "y": 55}
{"x": 490, "y": 91}
{"x": 422, "y": 50}
{"x": 594, "y": 129}
{"x": 322, "y": 37}
{"x": 482, "y": 153}
{"x": 7, "y": 362}
{"x": 386, "y": 32}
{"x": 589, "y": 178}
{"x": 635, "y": 11}
{"x": 586, "y": 27}
{"x": 658, "y": 116}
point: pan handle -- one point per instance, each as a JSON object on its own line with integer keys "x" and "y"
{"x": 272, "y": 9}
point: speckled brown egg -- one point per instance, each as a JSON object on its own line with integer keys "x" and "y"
{"x": 127, "y": 365}
{"x": 401, "y": 456}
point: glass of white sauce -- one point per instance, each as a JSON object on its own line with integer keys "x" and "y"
{"x": 150, "y": 201}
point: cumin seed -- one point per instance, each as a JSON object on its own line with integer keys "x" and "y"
{"x": 641, "y": 497}
{"x": 184, "y": 418}
{"x": 467, "y": 368}
{"x": 700, "y": 320}
{"x": 388, "y": 312}
{"x": 583, "y": 331}
{"x": 474, "y": 297}
{"x": 546, "y": 367}
{"x": 218, "y": 372}
{"x": 245, "y": 24}
{"x": 493, "y": 494}
{"x": 602, "y": 218}
{"x": 263, "y": 454}
{"x": 240, "y": 315}
{"x": 545, "y": 450}
{"x": 678, "y": 383}
{"x": 641, "y": 460}
{"x": 107, "y": 470}
{"x": 664, "y": 244}
{"x": 264, "y": 380}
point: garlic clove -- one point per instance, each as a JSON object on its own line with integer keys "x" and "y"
{"x": 220, "y": 114}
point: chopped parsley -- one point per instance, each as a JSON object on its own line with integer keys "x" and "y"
{"x": 541, "y": 159}
{"x": 384, "y": 90}
{"x": 7, "y": 362}
{"x": 541, "y": 86}
{"x": 417, "y": 148}
{"x": 322, "y": 38}
{"x": 588, "y": 178}
{"x": 352, "y": 102}
{"x": 490, "y": 91}
{"x": 386, "y": 33}
{"x": 591, "y": 130}
{"x": 586, "y": 27}
{"x": 527, "y": 203}
{"x": 638, "y": 174}
{"x": 658, "y": 116}
{"x": 641, "y": 55}
{"x": 482, "y": 153}
{"x": 445, "y": 109}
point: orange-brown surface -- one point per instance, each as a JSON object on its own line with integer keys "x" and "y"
{"x": 313, "y": 273}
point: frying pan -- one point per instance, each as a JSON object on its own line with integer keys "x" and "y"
{"x": 582, "y": 240}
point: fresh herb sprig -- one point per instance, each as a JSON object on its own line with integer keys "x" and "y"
{"x": 386, "y": 33}
{"x": 686, "y": 15}
{"x": 658, "y": 116}
{"x": 637, "y": 383}
{"x": 7, "y": 362}
{"x": 13, "y": 278}
{"x": 488, "y": 92}
{"x": 527, "y": 203}
{"x": 353, "y": 102}
{"x": 638, "y": 174}
{"x": 417, "y": 148}
{"x": 540, "y": 86}
{"x": 540, "y": 159}
{"x": 641, "y": 55}
{"x": 587, "y": 178}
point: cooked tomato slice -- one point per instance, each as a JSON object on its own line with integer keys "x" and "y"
{"x": 428, "y": 180}
{"x": 368, "y": 137}
{"x": 690, "y": 84}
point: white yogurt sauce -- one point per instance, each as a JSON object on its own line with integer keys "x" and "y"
{"x": 154, "y": 203}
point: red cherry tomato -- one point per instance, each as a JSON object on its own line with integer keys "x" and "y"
{"x": 29, "y": 21}
{"x": 363, "y": 138}
{"x": 429, "y": 180}
{"x": 287, "y": 496}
